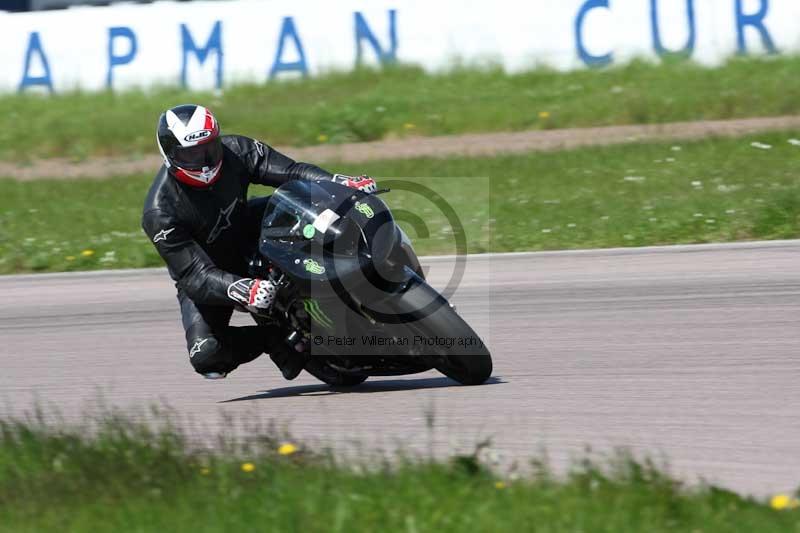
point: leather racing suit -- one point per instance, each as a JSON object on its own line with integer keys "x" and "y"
{"x": 206, "y": 237}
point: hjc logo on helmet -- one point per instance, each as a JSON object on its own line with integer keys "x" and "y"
{"x": 197, "y": 135}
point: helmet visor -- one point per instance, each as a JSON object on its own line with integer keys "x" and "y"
{"x": 197, "y": 157}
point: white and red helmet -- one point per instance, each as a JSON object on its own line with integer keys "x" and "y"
{"x": 188, "y": 138}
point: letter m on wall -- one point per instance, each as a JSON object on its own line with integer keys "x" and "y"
{"x": 214, "y": 43}
{"x": 364, "y": 33}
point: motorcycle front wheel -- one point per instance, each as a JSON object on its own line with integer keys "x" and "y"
{"x": 441, "y": 335}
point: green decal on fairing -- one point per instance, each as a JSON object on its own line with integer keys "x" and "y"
{"x": 365, "y": 210}
{"x": 317, "y": 314}
{"x": 308, "y": 231}
{"x": 313, "y": 267}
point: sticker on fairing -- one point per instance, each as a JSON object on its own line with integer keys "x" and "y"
{"x": 324, "y": 220}
{"x": 313, "y": 267}
{"x": 365, "y": 210}
{"x": 308, "y": 231}
{"x": 316, "y": 313}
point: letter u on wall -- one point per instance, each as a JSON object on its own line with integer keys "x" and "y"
{"x": 658, "y": 45}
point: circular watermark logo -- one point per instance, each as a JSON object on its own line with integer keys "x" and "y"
{"x": 389, "y": 285}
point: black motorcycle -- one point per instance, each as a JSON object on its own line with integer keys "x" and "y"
{"x": 351, "y": 292}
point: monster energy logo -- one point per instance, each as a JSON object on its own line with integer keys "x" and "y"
{"x": 313, "y": 267}
{"x": 365, "y": 210}
{"x": 317, "y": 315}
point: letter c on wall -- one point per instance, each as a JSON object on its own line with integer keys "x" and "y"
{"x": 588, "y": 58}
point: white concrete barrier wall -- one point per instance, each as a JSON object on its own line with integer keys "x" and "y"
{"x": 216, "y": 43}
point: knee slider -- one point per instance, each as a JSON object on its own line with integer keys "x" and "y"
{"x": 206, "y": 355}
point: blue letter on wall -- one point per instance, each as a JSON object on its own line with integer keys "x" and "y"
{"x": 214, "y": 43}
{"x": 757, "y": 21}
{"x": 586, "y": 57}
{"x": 364, "y": 33}
{"x": 122, "y": 32}
{"x": 288, "y": 31}
{"x": 658, "y": 45}
{"x": 35, "y": 46}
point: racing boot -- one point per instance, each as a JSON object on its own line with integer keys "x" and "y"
{"x": 290, "y": 356}
{"x": 289, "y": 362}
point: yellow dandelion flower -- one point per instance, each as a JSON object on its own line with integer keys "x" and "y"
{"x": 87, "y": 253}
{"x": 248, "y": 467}
{"x": 784, "y": 501}
{"x": 544, "y": 115}
{"x": 287, "y": 449}
{"x": 499, "y": 485}
{"x": 409, "y": 126}
{"x": 205, "y": 471}
{"x": 70, "y": 258}
{"x": 322, "y": 138}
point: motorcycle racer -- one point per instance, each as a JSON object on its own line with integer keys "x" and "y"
{"x": 200, "y": 221}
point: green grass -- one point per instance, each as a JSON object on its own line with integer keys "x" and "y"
{"x": 708, "y": 191}
{"x": 403, "y": 101}
{"x": 119, "y": 475}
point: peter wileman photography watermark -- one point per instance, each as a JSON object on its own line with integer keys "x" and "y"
{"x": 378, "y": 341}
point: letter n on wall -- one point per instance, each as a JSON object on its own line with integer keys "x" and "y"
{"x": 363, "y": 33}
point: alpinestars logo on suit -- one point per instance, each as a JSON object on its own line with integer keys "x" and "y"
{"x": 223, "y": 222}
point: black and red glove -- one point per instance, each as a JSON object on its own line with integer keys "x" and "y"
{"x": 362, "y": 183}
{"x": 255, "y": 295}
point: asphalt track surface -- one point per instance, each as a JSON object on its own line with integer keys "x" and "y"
{"x": 688, "y": 354}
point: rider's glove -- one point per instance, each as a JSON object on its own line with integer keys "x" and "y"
{"x": 256, "y": 295}
{"x": 362, "y": 183}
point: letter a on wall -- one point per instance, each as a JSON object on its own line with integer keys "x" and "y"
{"x": 289, "y": 32}
{"x": 33, "y": 51}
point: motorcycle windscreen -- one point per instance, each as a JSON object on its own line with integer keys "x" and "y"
{"x": 309, "y": 230}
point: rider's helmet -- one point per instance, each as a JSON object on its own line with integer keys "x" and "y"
{"x": 188, "y": 138}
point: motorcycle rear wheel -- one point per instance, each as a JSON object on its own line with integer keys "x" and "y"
{"x": 329, "y": 375}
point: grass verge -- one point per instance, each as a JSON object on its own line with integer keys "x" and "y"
{"x": 120, "y": 475}
{"x": 401, "y": 101}
{"x": 630, "y": 195}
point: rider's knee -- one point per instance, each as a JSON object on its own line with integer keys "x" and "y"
{"x": 207, "y": 355}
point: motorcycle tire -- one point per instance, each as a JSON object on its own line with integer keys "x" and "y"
{"x": 329, "y": 375}
{"x": 468, "y": 364}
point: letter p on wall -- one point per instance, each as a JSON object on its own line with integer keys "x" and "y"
{"x": 115, "y": 38}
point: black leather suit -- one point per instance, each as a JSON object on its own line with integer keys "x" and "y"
{"x": 206, "y": 237}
